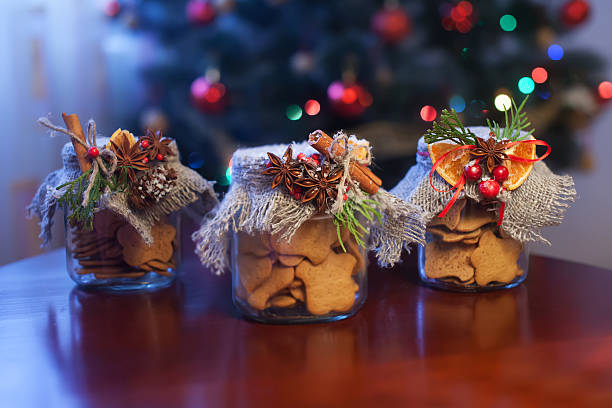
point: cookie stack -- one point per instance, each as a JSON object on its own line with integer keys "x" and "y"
{"x": 113, "y": 249}
{"x": 312, "y": 272}
{"x": 464, "y": 248}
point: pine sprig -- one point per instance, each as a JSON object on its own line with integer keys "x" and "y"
{"x": 516, "y": 122}
{"x": 450, "y": 128}
{"x": 348, "y": 218}
{"x": 72, "y": 199}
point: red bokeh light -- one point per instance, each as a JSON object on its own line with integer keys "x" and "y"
{"x": 539, "y": 75}
{"x": 575, "y": 12}
{"x": 428, "y": 113}
{"x": 464, "y": 26}
{"x": 464, "y": 8}
{"x": 112, "y": 8}
{"x": 448, "y": 23}
{"x": 605, "y": 90}
{"x": 349, "y": 95}
{"x": 312, "y": 107}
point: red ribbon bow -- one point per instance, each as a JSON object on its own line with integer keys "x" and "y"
{"x": 461, "y": 183}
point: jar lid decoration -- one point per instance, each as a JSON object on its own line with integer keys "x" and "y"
{"x": 141, "y": 180}
{"x": 494, "y": 166}
{"x": 276, "y": 188}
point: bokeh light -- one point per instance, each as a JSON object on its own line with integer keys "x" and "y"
{"x": 349, "y": 95}
{"x": 539, "y": 75}
{"x": 112, "y": 8}
{"x": 294, "y": 112}
{"x": 464, "y": 8}
{"x": 457, "y": 103}
{"x": 334, "y": 91}
{"x": 502, "y": 102}
{"x": 228, "y": 175}
{"x": 507, "y": 22}
{"x": 312, "y": 107}
{"x": 428, "y": 113}
{"x": 526, "y": 85}
{"x": 215, "y": 93}
{"x": 555, "y": 52}
{"x": 195, "y": 160}
{"x": 543, "y": 94}
{"x": 605, "y": 89}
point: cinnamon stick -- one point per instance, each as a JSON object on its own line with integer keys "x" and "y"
{"x": 367, "y": 180}
{"x": 73, "y": 124}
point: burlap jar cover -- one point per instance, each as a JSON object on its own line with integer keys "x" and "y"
{"x": 127, "y": 234}
{"x": 477, "y": 242}
{"x": 289, "y": 247}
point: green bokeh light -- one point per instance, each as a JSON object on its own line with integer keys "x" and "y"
{"x": 507, "y": 22}
{"x": 526, "y": 85}
{"x": 294, "y": 112}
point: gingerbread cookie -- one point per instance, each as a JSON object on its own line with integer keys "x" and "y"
{"x": 450, "y": 236}
{"x": 329, "y": 285}
{"x": 444, "y": 260}
{"x": 258, "y": 245}
{"x": 281, "y": 301}
{"x": 452, "y": 217}
{"x": 136, "y": 252}
{"x": 253, "y": 270}
{"x": 313, "y": 240}
{"x": 495, "y": 259}
{"x": 474, "y": 217}
{"x": 279, "y": 279}
{"x": 290, "y": 260}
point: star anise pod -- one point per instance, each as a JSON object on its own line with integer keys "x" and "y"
{"x": 155, "y": 144}
{"x": 285, "y": 171}
{"x": 322, "y": 185}
{"x": 129, "y": 156}
{"x": 490, "y": 150}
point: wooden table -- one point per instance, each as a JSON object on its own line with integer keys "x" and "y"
{"x": 547, "y": 343}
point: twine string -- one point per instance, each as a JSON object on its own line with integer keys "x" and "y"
{"x": 97, "y": 162}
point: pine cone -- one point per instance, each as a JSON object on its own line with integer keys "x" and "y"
{"x": 151, "y": 187}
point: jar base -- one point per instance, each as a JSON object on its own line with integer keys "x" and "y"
{"x": 149, "y": 282}
{"x": 449, "y": 286}
{"x": 295, "y": 315}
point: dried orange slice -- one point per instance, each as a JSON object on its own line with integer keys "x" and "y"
{"x": 519, "y": 171}
{"x": 451, "y": 168}
{"x": 118, "y": 135}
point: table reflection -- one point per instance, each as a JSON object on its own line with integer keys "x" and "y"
{"x": 449, "y": 322}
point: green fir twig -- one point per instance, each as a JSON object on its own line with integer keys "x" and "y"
{"x": 450, "y": 128}
{"x": 72, "y": 199}
{"x": 516, "y": 122}
{"x": 348, "y": 218}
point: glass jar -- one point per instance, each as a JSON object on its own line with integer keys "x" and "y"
{"x": 466, "y": 251}
{"x": 113, "y": 256}
{"x": 314, "y": 277}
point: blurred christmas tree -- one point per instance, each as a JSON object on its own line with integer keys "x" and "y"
{"x": 246, "y": 72}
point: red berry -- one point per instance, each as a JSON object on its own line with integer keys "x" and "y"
{"x": 93, "y": 152}
{"x": 268, "y": 164}
{"x": 297, "y": 195}
{"x": 473, "y": 172}
{"x": 344, "y": 197}
{"x": 316, "y": 156}
{"x": 159, "y": 157}
{"x": 489, "y": 188}
{"x": 492, "y": 134}
{"x": 145, "y": 160}
{"x": 348, "y": 187}
{"x": 500, "y": 173}
{"x": 144, "y": 144}
{"x": 301, "y": 156}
